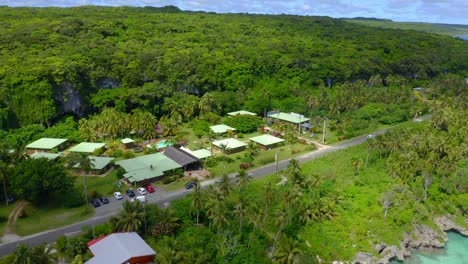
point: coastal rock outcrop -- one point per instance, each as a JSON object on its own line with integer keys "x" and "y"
{"x": 421, "y": 237}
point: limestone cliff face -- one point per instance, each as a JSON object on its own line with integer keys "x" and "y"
{"x": 68, "y": 99}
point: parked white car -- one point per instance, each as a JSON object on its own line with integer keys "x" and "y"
{"x": 142, "y": 190}
{"x": 118, "y": 196}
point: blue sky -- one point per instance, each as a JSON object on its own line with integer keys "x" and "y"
{"x": 437, "y": 11}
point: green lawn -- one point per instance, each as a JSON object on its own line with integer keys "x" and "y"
{"x": 38, "y": 219}
{"x": 102, "y": 185}
{"x": 4, "y": 213}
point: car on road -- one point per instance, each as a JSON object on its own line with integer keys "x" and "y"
{"x": 150, "y": 189}
{"x": 130, "y": 193}
{"x": 140, "y": 198}
{"x": 95, "y": 203}
{"x": 371, "y": 136}
{"x": 118, "y": 196}
{"x": 142, "y": 190}
{"x": 104, "y": 200}
{"x": 190, "y": 185}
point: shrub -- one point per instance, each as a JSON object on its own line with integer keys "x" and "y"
{"x": 244, "y": 166}
{"x": 117, "y": 153}
{"x": 266, "y": 160}
{"x": 128, "y": 154}
{"x": 74, "y": 198}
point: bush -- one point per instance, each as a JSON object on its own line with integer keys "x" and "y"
{"x": 73, "y": 198}
{"x": 244, "y": 123}
{"x": 200, "y": 128}
{"x": 117, "y": 153}
{"x": 244, "y": 166}
{"x": 120, "y": 173}
{"x": 128, "y": 154}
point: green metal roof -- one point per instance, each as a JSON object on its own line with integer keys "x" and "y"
{"x": 143, "y": 174}
{"x": 97, "y": 163}
{"x": 158, "y": 160}
{"x": 127, "y": 140}
{"x": 87, "y": 147}
{"x": 201, "y": 153}
{"x": 220, "y": 129}
{"x": 230, "y": 143}
{"x": 266, "y": 140}
{"x": 46, "y": 143}
{"x": 50, "y": 156}
{"x": 241, "y": 112}
{"x": 290, "y": 117}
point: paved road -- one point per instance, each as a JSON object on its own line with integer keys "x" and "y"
{"x": 161, "y": 198}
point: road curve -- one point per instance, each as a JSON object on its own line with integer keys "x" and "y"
{"x": 105, "y": 212}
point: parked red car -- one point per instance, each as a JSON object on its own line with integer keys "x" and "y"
{"x": 150, "y": 189}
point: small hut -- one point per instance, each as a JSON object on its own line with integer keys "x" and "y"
{"x": 128, "y": 143}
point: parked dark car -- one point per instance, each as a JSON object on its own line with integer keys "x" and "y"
{"x": 95, "y": 203}
{"x": 10, "y": 199}
{"x": 130, "y": 193}
{"x": 190, "y": 185}
{"x": 104, "y": 200}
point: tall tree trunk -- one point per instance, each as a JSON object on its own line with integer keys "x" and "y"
{"x": 276, "y": 239}
{"x": 4, "y": 191}
{"x": 198, "y": 214}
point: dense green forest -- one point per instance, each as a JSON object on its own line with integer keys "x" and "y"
{"x": 436, "y": 28}
{"x": 57, "y": 61}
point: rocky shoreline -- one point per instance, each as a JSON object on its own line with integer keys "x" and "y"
{"x": 422, "y": 237}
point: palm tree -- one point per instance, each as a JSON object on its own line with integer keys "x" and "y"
{"x": 197, "y": 200}
{"x": 86, "y": 165}
{"x": 23, "y": 255}
{"x": 170, "y": 253}
{"x": 267, "y": 197}
{"x": 243, "y": 179}
{"x": 356, "y": 164}
{"x": 29, "y": 255}
{"x": 130, "y": 218}
{"x": 219, "y": 216}
{"x": 255, "y": 218}
{"x": 252, "y": 149}
{"x": 225, "y": 185}
{"x": 280, "y": 220}
{"x": 288, "y": 251}
{"x": 371, "y": 145}
{"x": 294, "y": 172}
{"x": 239, "y": 211}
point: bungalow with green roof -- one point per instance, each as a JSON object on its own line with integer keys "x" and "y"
{"x": 267, "y": 141}
{"x": 87, "y": 147}
{"x": 221, "y": 129}
{"x": 289, "y": 117}
{"x": 230, "y": 145}
{"x": 128, "y": 143}
{"x": 241, "y": 112}
{"x": 146, "y": 168}
{"x": 199, "y": 153}
{"x": 47, "y": 155}
{"x": 46, "y": 145}
{"x": 99, "y": 165}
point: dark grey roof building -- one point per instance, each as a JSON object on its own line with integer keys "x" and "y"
{"x": 182, "y": 158}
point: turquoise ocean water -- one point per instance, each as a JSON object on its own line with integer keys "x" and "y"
{"x": 455, "y": 252}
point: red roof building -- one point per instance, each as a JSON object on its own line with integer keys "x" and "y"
{"x": 120, "y": 248}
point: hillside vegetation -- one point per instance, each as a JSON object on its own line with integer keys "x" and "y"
{"x": 436, "y": 28}
{"x": 79, "y": 60}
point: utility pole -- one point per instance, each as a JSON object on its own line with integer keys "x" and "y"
{"x": 323, "y": 133}
{"x": 276, "y": 163}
